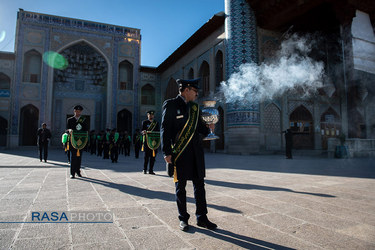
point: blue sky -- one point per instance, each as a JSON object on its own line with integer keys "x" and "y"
{"x": 164, "y": 24}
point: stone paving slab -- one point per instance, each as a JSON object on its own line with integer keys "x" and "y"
{"x": 258, "y": 202}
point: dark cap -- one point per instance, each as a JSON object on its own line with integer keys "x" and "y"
{"x": 78, "y": 107}
{"x": 188, "y": 83}
{"x": 151, "y": 112}
{"x": 44, "y": 124}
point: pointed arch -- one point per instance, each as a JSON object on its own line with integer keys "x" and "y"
{"x": 32, "y": 66}
{"x": 219, "y": 66}
{"x": 172, "y": 89}
{"x": 125, "y": 74}
{"x": 204, "y": 74}
{"x": 191, "y": 73}
{"x": 28, "y": 125}
{"x": 4, "y": 81}
{"x": 301, "y": 123}
{"x": 124, "y": 121}
{"x": 272, "y": 118}
{"x": 357, "y": 128}
{"x": 148, "y": 95}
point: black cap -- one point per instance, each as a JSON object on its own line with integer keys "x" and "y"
{"x": 188, "y": 83}
{"x": 78, "y": 107}
{"x": 151, "y": 112}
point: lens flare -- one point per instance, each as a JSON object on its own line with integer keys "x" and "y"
{"x": 55, "y": 60}
{"x": 2, "y": 35}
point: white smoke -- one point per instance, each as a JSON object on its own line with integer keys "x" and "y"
{"x": 291, "y": 69}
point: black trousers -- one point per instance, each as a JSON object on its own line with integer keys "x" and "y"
{"x": 288, "y": 151}
{"x": 67, "y": 152}
{"x": 100, "y": 148}
{"x": 136, "y": 150}
{"x": 106, "y": 151}
{"x": 114, "y": 153}
{"x": 200, "y": 200}
{"x": 43, "y": 149}
{"x": 149, "y": 158}
{"x": 75, "y": 161}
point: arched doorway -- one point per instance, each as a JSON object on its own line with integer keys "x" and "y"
{"x": 32, "y": 66}
{"x": 124, "y": 121}
{"x": 83, "y": 81}
{"x": 219, "y": 74}
{"x": 3, "y": 131}
{"x": 204, "y": 73}
{"x": 191, "y": 74}
{"x": 125, "y": 75}
{"x": 357, "y": 126}
{"x": 148, "y": 95}
{"x": 330, "y": 126}
{"x": 28, "y": 125}
{"x": 172, "y": 89}
{"x": 219, "y": 130}
{"x": 301, "y": 123}
{"x": 272, "y": 127}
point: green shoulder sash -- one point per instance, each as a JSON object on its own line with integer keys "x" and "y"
{"x": 152, "y": 126}
{"x": 187, "y": 132}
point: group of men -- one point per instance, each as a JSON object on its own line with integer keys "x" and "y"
{"x": 180, "y": 140}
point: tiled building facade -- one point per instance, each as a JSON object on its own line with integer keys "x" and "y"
{"x": 104, "y": 75}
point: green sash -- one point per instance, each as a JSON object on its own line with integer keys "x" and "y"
{"x": 79, "y": 140}
{"x": 186, "y": 134}
{"x": 152, "y": 126}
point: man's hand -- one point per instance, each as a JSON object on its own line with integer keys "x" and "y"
{"x": 168, "y": 158}
{"x": 143, "y": 132}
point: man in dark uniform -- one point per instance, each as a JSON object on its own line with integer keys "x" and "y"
{"x": 182, "y": 147}
{"x": 149, "y": 125}
{"x": 106, "y": 143}
{"x": 44, "y": 134}
{"x": 288, "y": 143}
{"x": 113, "y": 145}
{"x": 137, "y": 142}
{"x": 76, "y": 123}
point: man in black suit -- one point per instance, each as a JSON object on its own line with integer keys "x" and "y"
{"x": 149, "y": 125}
{"x": 76, "y": 123}
{"x": 180, "y": 128}
{"x": 44, "y": 134}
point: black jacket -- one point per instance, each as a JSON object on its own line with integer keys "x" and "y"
{"x": 43, "y": 135}
{"x": 190, "y": 165}
{"x": 72, "y": 123}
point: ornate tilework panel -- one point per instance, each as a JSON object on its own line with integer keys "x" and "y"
{"x": 272, "y": 118}
{"x": 241, "y": 47}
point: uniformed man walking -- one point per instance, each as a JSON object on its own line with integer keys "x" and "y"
{"x": 44, "y": 135}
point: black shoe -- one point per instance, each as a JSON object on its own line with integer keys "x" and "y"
{"x": 79, "y": 174}
{"x": 151, "y": 173}
{"x": 72, "y": 177}
{"x": 144, "y": 171}
{"x": 184, "y": 226}
{"x": 207, "y": 224}
{"x": 45, "y": 160}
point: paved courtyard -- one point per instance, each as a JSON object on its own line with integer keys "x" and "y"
{"x": 258, "y": 202}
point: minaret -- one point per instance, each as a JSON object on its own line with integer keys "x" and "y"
{"x": 243, "y": 119}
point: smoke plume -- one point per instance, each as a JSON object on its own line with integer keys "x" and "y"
{"x": 291, "y": 69}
